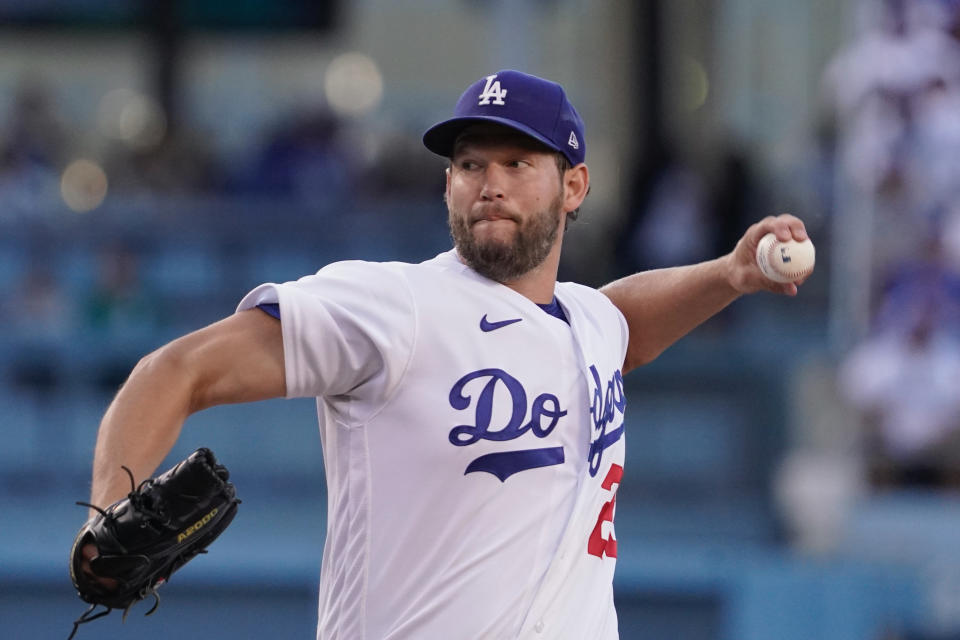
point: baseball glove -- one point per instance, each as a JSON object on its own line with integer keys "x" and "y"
{"x": 142, "y": 539}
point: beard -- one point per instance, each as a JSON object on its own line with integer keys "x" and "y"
{"x": 505, "y": 261}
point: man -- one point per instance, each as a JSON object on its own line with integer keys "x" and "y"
{"x": 471, "y": 407}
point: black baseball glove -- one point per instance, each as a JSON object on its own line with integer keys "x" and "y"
{"x": 142, "y": 539}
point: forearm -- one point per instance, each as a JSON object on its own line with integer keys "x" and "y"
{"x": 239, "y": 359}
{"x": 663, "y": 305}
{"x": 140, "y": 427}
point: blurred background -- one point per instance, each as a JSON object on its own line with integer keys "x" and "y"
{"x": 793, "y": 467}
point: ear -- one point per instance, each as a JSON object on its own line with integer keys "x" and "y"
{"x": 576, "y": 183}
{"x": 446, "y": 191}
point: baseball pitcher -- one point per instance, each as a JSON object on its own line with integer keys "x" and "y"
{"x": 471, "y": 408}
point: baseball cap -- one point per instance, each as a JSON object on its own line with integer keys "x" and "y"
{"x": 536, "y": 107}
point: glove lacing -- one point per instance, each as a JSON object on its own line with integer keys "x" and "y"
{"x": 135, "y": 498}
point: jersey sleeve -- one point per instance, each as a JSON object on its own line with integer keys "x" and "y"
{"x": 610, "y": 321}
{"x": 347, "y": 330}
{"x": 619, "y": 330}
{"x": 624, "y": 329}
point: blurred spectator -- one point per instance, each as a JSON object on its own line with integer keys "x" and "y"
{"x": 173, "y": 164}
{"x": 936, "y": 170}
{"x": 34, "y": 144}
{"x": 687, "y": 210}
{"x": 904, "y": 380}
{"x": 317, "y": 158}
{"x": 118, "y": 303}
{"x": 892, "y": 93}
{"x": 179, "y": 165}
{"x": 400, "y": 166}
{"x": 304, "y": 159}
{"x": 39, "y": 315}
{"x": 119, "y": 310}
{"x": 926, "y": 284}
{"x": 895, "y": 94}
{"x": 34, "y": 136}
{"x": 671, "y": 222}
{"x": 676, "y": 228}
{"x": 951, "y": 236}
{"x": 39, "y": 308}
{"x": 735, "y": 198}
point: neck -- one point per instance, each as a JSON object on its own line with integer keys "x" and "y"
{"x": 539, "y": 283}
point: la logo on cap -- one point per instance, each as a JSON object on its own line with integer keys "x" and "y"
{"x": 492, "y": 90}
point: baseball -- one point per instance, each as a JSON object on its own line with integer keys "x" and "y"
{"x": 785, "y": 261}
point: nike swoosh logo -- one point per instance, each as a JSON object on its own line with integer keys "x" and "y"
{"x": 486, "y": 325}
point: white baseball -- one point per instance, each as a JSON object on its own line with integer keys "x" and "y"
{"x": 785, "y": 261}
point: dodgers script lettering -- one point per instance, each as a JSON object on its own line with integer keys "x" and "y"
{"x": 606, "y": 403}
{"x": 487, "y": 389}
{"x": 545, "y": 412}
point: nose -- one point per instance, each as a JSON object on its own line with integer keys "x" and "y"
{"x": 492, "y": 184}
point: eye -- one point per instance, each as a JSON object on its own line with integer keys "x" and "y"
{"x": 468, "y": 165}
{"x": 518, "y": 163}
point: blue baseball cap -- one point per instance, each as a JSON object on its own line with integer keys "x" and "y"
{"x": 536, "y": 107}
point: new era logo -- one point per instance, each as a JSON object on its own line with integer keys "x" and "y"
{"x": 572, "y": 141}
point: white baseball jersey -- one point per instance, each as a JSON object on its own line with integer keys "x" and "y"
{"x": 473, "y": 446}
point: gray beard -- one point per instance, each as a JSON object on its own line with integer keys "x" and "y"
{"x": 507, "y": 261}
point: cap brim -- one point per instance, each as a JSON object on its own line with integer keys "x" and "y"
{"x": 441, "y": 137}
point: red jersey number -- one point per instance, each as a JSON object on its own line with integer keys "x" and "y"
{"x": 598, "y": 545}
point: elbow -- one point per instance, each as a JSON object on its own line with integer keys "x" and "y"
{"x": 151, "y": 363}
{"x": 160, "y": 364}
{"x": 168, "y": 368}
{"x": 147, "y": 368}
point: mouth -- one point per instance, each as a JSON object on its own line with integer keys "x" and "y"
{"x": 493, "y": 214}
